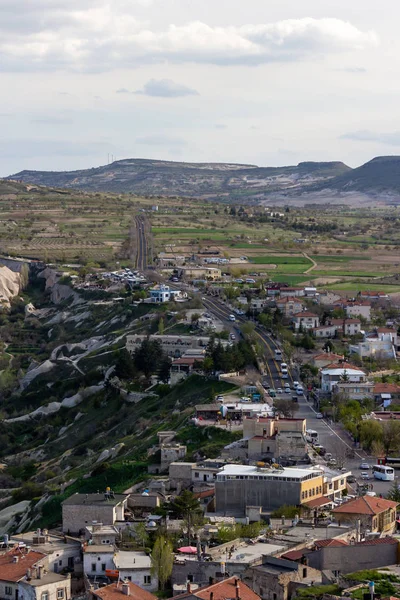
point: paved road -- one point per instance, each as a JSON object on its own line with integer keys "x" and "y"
{"x": 141, "y": 256}
{"x": 331, "y": 436}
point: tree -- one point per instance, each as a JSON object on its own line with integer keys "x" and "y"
{"x": 286, "y": 407}
{"x": 161, "y": 326}
{"x": 124, "y": 366}
{"x": 394, "y": 492}
{"x": 187, "y": 507}
{"x": 164, "y": 369}
{"x": 147, "y": 357}
{"x": 391, "y": 436}
{"x": 162, "y": 560}
{"x": 370, "y": 431}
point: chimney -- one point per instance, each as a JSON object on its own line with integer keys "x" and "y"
{"x": 188, "y": 588}
{"x": 125, "y": 588}
{"x": 237, "y": 589}
{"x": 15, "y": 559}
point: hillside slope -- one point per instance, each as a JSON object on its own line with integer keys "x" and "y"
{"x": 212, "y": 180}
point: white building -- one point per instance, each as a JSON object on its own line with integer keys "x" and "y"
{"x": 136, "y": 567}
{"x": 382, "y": 344}
{"x": 358, "y": 309}
{"x": 62, "y": 551}
{"x": 163, "y": 293}
{"x": 340, "y": 373}
{"x": 305, "y": 320}
{"x": 98, "y": 558}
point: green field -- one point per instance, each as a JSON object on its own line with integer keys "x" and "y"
{"x": 333, "y": 273}
{"x": 327, "y": 258}
{"x": 363, "y": 287}
{"x": 291, "y": 279}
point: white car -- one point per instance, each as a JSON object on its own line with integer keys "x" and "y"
{"x": 364, "y": 475}
{"x": 279, "y": 391}
{"x": 319, "y": 416}
{"x": 295, "y": 384}
{"x": 364, "y": 466}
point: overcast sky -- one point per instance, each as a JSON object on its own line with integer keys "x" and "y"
{"x": 267, "y": 82}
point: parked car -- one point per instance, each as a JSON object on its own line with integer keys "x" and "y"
{"x": 364, "y": 466}
{"x": 279, "y": 391}
{"x": 319, "y": 415}
{"x": 295, "y": 384}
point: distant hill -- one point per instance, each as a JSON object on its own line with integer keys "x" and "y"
{"x": 381, "y": 174}
{"x": 204, "y": 180}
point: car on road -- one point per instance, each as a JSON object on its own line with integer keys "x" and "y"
{"x": 364, "y": 466}
{"x": 239, "y": 280}
{"x": 250, "y": 280}
{"x": 296, "y": 384}
{"x": 232, "y": 318}
{"x": 285, "y": 376}
{"x": 240, "y": 312}
{"x": 319, "y": 416}
{"x": 272, "y": 393}
{"x": 279, "y": 391}
{"x": 232, "y": 336}
{"x": 295, "y": 399}
{"x": 266, "y": 385}
{"x": 364, "y": 475}
{"x": 286, "y": 390}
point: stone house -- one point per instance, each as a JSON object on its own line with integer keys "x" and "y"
{"x": 275, "y": 579}
{"x": 121, "y": 590}
{"x": 62, "y": 551}
{"x": 80, "y": 510}
{"x": 374, "y": 514}
{"x": 325, "y": 359}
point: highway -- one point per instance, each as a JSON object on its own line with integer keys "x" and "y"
{"x": 141, "y": 247}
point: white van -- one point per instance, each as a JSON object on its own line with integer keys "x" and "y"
{"x": 232, "y": 318}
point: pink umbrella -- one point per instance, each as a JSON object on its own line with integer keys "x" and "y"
{"x": 188, "y": 550}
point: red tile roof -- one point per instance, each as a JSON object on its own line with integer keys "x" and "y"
{"x": 366, "y": 505}
{"x": 328, "y": 356}
{"x": 379, "y": 542}
{"x": 331, "y": 543}
{"x": 295, "y": 554}
{"x": 305, "y": 313}
{"x": 318, "y": 502}
{"x": 287, "y": 299}
{"x": 386, "y": 388}
{"x": 204, "y": 494}
{"x": 14, "y": 571}
{"x": 114, "y": 592}
{"x": 222, "y": 590}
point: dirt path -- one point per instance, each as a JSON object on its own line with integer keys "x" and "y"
{"x": 313, "y": 266}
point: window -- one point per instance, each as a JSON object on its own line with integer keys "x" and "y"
{"x": 304, "y": 573}
{"x": 45, "y": 596}
{"x": 147, "y": 580}
{"x": 60, "y": 594}
{"x": 196, "y": 474}
{"x": 99, "y": 558}
{"x": 60, "y": 562}
{"x": 8, "y": 590}
{"x": 103, "y": 566}
{"x": 93, "y": 568}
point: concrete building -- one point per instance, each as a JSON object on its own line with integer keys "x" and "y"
{"x": 97, "y": 559}
{"x": 102, "y": 534}
{"x": 173, "y": 345}
{"x": 355, "y": 390}
{"x": 358, "y": 309}
{"x": 339, "y": 558}
{"x": 240, "y": 486}
{"x": 325, "y": 331}
{"x": 236, "y": 411}
{"x": 281, "y": 439}
{"x": 373, "y": 295}
{"x": 163, "y": 293}
{"x": 346, "y": 326}
{"x": 292, "y": 292}
{"x": 334, "y": 374}
{"x": 380, "y": 344}
{"x": 325, "y": 359}
{"x": 62, "y": 552}
{"x": 386, "y": 393}
{"x": 120, "y": 590}
{"x": 190, "y": 273}
{"x": 373, "y": 514}
{"x": 136, "y": 567}
{"x": 80, "y": 510}
{"x": 184, "y": 474}
{"x": 25, "y": 574}
{"x": 305, "y": 320}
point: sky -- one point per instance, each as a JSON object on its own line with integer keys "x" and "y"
{"x": 265, "y": 82}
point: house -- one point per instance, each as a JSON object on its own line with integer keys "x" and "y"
{"x": 80, "y": 510}
{"x": 326, "y": 358}
{"x": 324, "y": 331}
{"x": 336, "y": 373}
{"x": 232, "y": 588}
{"x": 136, "y": 567}
{"x": 25, "y": 573}
{"x": 347, "y": 326}
{"x": 97, "y": 559}
{"x": 361, "y": 308}
{"x": 281, "y": 439}
{"x": 380, "y": 344}
{"x": 257, "y": 304}
{"x": 373, "y": 295}
{"x": 62, "y": 552}
{"x": 240, "y": 486}
{"x": 305, "y": 320}
{"x": 386, "y": 393}
{"x": 373, "y": 514}
{"x": 289, "y": 305}
{"x": 119, "y": 590}
{"x": 310, "y": 292}
{"x": 327, "y": 298}
{"x": 102, "y": 534}
{"x": 277, "y": 578}
{"x": 162, "y": 293}
{"x": 190, "y": 273}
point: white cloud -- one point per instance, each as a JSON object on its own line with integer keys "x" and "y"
{"x": 161, "y": 140}
{"x": 166, "y": 88}
{"x": 101, "y": 36}
{"x": 389, "y": 138}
